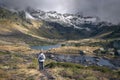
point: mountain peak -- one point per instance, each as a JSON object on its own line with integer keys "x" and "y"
{"x": 74, "y": 20}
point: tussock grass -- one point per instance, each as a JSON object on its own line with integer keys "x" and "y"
{"x": 79, "y": 72}
{"x": 14, "y": 66}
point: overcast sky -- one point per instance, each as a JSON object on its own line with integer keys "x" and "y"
{"x": 105, "y": 9}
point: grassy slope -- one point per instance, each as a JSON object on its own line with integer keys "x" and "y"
{"x": 74, "y": 50}
{"x": 70, "y": 71}
{"x": 75, "y": 46}
{"x": 108, "y": 32}
{"x": 18, "y": 66}
{"x": 114, "y": 34}
{"x": 14, "y": 26}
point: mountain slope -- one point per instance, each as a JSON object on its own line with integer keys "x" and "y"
{"x": 55, "y": 30}
{"x": 80, "y": 26}
{"x": 15, "y": 25}
{"x": 115, "y": 33}
{"x": 46, "y": 27}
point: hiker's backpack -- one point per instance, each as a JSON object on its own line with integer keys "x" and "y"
{"x": 41, "y": 57}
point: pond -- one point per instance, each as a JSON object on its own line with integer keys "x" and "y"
{"x": 48, "y": 47}
{"x": 85, "y": 60}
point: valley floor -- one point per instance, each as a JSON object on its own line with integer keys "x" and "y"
{"x": 19, "y": 66}
{"x": 19, "y": 62}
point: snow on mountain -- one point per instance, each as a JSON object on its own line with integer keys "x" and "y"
{"x": 28, "y": 16}
{"x": 88, "y": 24}
{"x": 74, "y": 20}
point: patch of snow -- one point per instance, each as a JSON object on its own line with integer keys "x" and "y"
{"x": 28, "y": 16}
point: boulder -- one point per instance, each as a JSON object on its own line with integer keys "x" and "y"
{"x": 116, "y": 44}
{"x": 112, "y": 53}
{"x": 118, "y": 51}
{"x": 81, "y": 52}
{"x": 102, "y": 49}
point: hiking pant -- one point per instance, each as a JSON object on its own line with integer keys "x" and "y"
{"x": 41, "y": 66}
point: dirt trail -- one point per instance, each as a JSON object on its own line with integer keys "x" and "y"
{"x": 46, "y": 75}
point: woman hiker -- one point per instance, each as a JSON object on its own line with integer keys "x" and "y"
{"x": 41, "y": 59}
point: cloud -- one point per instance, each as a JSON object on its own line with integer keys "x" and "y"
{"x": 47, "y": 5}
{"x": 105, "y": 9}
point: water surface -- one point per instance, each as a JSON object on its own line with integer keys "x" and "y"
{"x": 48, "y": 47}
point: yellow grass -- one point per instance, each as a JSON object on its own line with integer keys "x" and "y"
{"x": 15, "y": 67}
{"x": 74, "y": 50}
{"x": 14, "y": 48}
